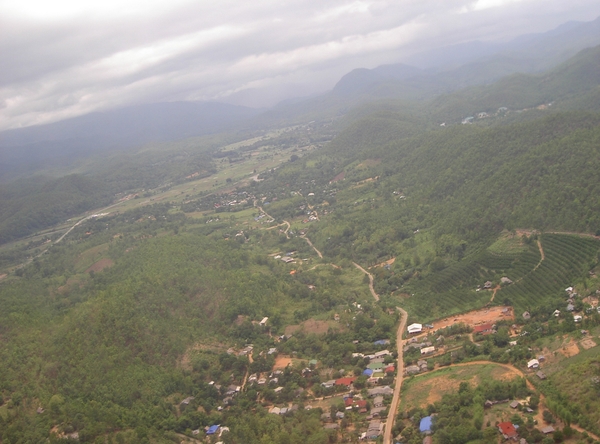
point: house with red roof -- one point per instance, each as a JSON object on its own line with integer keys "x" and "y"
{"x": 483, "y": 329}
{"x": 361, "y": 405}
{"x": 507, "y": 429}
{"x": 345, "y": 381}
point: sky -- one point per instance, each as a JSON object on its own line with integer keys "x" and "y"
{"x": 65, "y": 58}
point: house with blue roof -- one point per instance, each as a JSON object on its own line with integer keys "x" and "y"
{"x": 425, "y": 425}
{"x": 213, "y": 429}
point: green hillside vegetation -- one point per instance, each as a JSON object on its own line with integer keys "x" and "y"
{"x": 135, "y": 326}
{"x": 28, "y": 206}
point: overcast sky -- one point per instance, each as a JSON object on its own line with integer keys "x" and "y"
{"x": 62, "y": 58}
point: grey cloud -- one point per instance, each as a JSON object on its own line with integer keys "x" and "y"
{"x": 54, "y": 69}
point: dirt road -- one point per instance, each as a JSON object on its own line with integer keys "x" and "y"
{"x": 375, "y": 295}
{"x": 313, "y": 247}
{"x": 387, "y": 434}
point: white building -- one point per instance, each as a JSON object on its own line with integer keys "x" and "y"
{"x": 415, "y": 328}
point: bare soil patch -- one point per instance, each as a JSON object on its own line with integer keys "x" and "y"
{"x": 588, "y": 343}
{"x": 569, "y": 349}
{"x": 369, "y": 163}
{"x": 2, "y": 276}
{"x": 477, "y": 317}
{"x": 282, "y": 362}
{"x": 310, "y": 326}
{"x": 438, "y": 387}
{"x": 384, "y": 263}
{"x": 339, "y": 177}
{"x": 100, "y": 265}
{"x": 71, "y": 282}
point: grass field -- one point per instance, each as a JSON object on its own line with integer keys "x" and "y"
{"x": 420, "y": 391}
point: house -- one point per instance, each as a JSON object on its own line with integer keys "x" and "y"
{"x": 378, "y": 401}
{"x": 331, "y": 426}
{"x": 570, "y": 307}
{"x": 505, "y": 280}
{"x": 374, "y": 430}
{"x": 376, "y": 411}
{"x": 547, "y": 429}
{"x": 514, "y": 404}
{"x": 367, "y": 372}
{"x": 328, "y": 384}
{"x": 213, "y": 429}
{"x": 425, "y": 425}
{"x": 345, "y": 381}
{"x": 427, "y": 350}
{"x": 577, "y": 318}
{"x": 507, "y": 429}
{"x": 339, "y": 415}
{"x": 540, "y": 374}
{"x": 487, "y": 285}
{"x": 389, "y": 369}
{"x": 534, "y": 363}
{"x": 382, "y": 353}
{"x": 412, "y": 370}
{"x": 187, "y": 400}
{"x": 361, "y": 405}
{"x": 326, "y": 417}
{"x": 526, "y": 315}
{"x": 375, "y": 365}
{"x": 483, "y": 329}
{"x": 384, "y": 391}
{"x": 264, "y": 321}
{"x": 414, "y": 328}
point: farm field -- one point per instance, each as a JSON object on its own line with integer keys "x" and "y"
{"x": 535, "y": 280}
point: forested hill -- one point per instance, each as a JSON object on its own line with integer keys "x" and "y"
{"x": 29, "y": 205}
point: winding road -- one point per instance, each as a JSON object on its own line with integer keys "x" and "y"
{"x": 375, "y": 295}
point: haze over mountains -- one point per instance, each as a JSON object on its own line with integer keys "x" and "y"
{"x": 434, "y": 72}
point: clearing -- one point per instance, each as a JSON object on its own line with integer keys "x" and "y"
{"x": 311, "y": 326}
{"x": 420, "y": 391}
{"x": 282, "y": 362}
{"x": 477, "y": 317}
{"x": 100, "y": 265}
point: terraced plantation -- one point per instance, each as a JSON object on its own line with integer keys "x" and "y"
{"x": 536, "y": 282}
{"x": 567, "y": 257}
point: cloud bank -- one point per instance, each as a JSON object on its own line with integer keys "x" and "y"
{"x": 66, "y": 58}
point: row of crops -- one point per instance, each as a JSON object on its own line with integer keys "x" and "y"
{"x": 567, "y": 258}
{"x": 535, "y": 281}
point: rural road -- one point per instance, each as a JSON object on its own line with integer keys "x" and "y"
{"x": 313, "y": 247}
{"x": 375, "y": 295}
{"x": 387, "y": 434}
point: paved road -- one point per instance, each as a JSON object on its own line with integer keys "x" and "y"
{"x": 387, "y": 434}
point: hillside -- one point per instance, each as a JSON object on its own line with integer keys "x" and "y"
{"x": 245, "y": 286}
